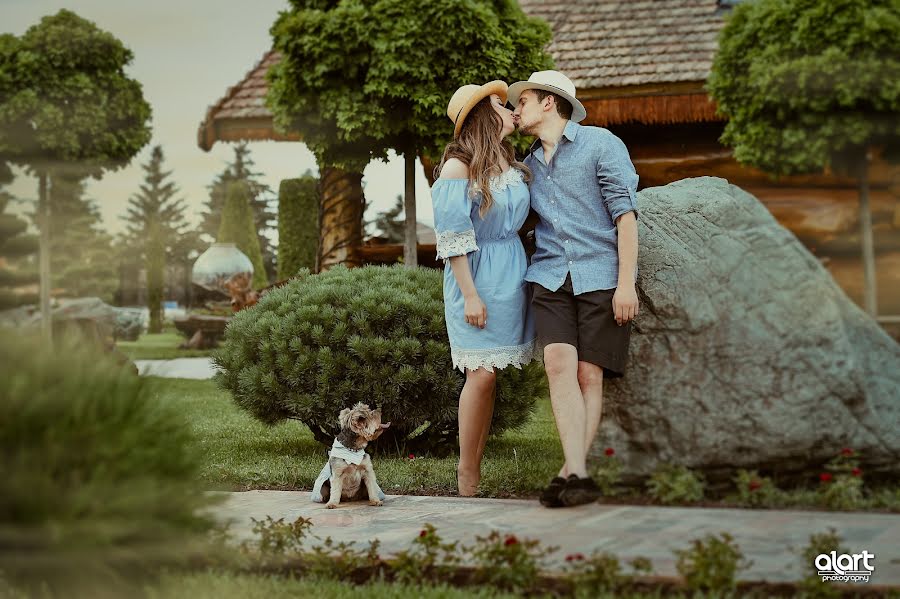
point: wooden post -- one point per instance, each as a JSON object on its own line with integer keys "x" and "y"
{"x": 870, "y": 293}
{"x": 410, "y": 246}
{"x": 44, "y": 259}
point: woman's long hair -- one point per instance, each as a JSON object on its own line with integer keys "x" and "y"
{"x": 481, "y": 148}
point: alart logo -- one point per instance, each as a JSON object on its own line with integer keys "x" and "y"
{"x": 845, "y": 567}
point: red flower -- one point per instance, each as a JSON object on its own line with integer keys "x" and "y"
{"x": 755, "y": 484}
{"x": 856, "y": 472}
{"x": 570, "y": 557}
{"x": 847, "y": 451}
{"x": 579, "y": 556}
{"x": 610, "y": 451}
{"x": 423, "y": 533}
{"x": 825, "y": 477}
{"x": 412, "y": 456}
{"x": 511, "y": 540}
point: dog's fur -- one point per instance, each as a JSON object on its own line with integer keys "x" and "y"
{"x": 359, "y": 426}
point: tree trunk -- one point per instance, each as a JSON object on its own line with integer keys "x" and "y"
{"x": 867, "y": 240}
{"x": 411, "y": 244}
{"x": 156, "y": 266}
{"x": 44, "y": 259}
{"x": 340, "y": 218}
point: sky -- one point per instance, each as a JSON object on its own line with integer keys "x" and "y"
{"x": 186, "y": 55}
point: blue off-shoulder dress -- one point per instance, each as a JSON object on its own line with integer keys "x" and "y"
{"x": 497, "y": 262}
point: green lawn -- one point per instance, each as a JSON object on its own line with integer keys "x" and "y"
{"x": 224, "y": 585}
{"x": 159, "y": 346}
{"x": 243, "y": 453}
{"x": 214, "y": 585}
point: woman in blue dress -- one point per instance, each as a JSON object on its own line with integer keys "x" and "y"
{"x": 481, "y": 200}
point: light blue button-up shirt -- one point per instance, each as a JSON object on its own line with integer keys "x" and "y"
{"x": 589, "y": 182}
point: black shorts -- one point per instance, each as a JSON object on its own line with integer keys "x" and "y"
{"x": 584, "y": 321}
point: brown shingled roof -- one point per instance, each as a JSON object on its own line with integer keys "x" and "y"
{"x": 612, "y": 44}
{"x": 242, "y": 110}
{"x": 609, "y": 48}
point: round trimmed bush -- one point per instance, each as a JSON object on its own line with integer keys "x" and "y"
{"x": 99, "y": 482}
{"x": 374, "y": 334}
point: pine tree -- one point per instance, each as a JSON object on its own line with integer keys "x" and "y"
{"x": 156, "y": 223}
{"x": 237, "y": 227}
{"x": 81, "y": 257}
{"x": 15, "y": 245}
{"x": 389, "y": 225}
{"x": 241, "y": 169}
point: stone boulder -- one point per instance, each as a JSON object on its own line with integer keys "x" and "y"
{"x": 746, "y": 353}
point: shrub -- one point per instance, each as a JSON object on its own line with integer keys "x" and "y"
{"x": 754, "y": 490}
{"x": 375, "y": 334}
{"x": 298, "y": 225}
{"x": 98, "y": 480}
{"x": 711, "y": 563}
{"x": 841, "y": 485}
{"x": 674, "y": 483}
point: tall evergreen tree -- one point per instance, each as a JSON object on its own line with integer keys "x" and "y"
{"x": 81, "y": 257}
{"x": 391, "y": 224}
{"x": 237, "y": 227}
{"x": 260, "y": 194}
{"x": 15, "y": 245}
{"x": 155, "y": 223}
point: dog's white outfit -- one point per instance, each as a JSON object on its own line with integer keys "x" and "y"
{"x": 351, "y": 456}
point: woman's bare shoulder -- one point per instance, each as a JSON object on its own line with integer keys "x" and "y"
{"x": 455, "y": 168}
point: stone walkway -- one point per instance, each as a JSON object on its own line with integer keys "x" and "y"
{"x": 771, "y": 539}
{"x": 179, "y": 368}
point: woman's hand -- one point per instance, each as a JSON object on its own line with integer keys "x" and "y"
{"x": 476, "y": 311}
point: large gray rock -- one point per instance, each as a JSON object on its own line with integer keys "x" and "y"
{"x": 746, "y": 353}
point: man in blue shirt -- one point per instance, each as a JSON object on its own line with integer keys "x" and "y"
{"x": 584, "y": 269}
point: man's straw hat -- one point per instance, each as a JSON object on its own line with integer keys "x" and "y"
{"x": 551, "y": 81}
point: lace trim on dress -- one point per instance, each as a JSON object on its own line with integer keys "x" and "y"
{"x": 451, "y": 244}
{"x": 494, "y": 357}
{"x": 512, "y": 176}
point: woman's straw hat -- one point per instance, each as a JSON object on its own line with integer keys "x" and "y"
{"x": 465, "y": 98}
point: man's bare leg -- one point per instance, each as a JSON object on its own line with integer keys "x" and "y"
{"x": 561, "y": 364}
{"x": 590, "y": 381}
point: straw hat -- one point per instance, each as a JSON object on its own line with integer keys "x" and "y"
{"x": 552, "y": 81}
{"x": 465, "y": 98}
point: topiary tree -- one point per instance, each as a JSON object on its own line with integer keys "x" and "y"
{"x": 66, "y": 101}
{"x": 241, "y": 168}
{"x": 808, "y": 85}
{"x": 237, "y": 227}
{"x": 384, "y": 71}
{"x": 374, "y": 334}
{"x": 100, "y": 481}
{"x": 298, "y": 225}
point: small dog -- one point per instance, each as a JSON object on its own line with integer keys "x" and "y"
{"x": 352, "y": 476}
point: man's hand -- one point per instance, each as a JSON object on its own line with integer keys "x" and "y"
{"x": 625, "y": 304}
{"x": 476, "y": 312}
